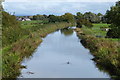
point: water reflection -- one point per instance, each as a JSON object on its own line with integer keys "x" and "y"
{"x": 67, "y": 31}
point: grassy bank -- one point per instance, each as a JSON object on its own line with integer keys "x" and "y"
{"x": 105, "y": 50}
{"x": 96, "y": 30}
{"x": 24, "y": 47}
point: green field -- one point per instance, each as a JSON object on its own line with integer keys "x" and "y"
{"x": 29, "y": 24}
{"x": 96, "y": 30}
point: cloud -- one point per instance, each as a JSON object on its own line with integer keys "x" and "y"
{"x": 56, "y": 8}
{"x": 61, "y": 0}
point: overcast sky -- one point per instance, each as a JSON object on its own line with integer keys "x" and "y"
{"x": 56, "y": 7}
{"x": 61, "y": 0}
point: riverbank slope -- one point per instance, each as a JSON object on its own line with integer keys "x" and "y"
{"x": 14, "y": 53}
{"x": 105, "y": 50}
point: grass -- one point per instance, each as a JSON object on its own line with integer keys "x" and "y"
{"x": 105, "y": 50}
{"x": 20, "y": 39}
{"x": 29, "y": 24}
{"x": 23, "y": 48}
{"x": 96, "y": 30}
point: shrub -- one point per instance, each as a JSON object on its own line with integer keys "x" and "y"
{"x": 114, "y": 32}
{"x": 11, "y": 29}
{"x": 85, "y": 22}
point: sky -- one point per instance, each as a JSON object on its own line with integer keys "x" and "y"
{"x": 56, "y": 7}
{"x": 61, "y": 0}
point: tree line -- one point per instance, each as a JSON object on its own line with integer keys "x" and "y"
{"x": 68, "y": 17}
{"x": 112, "y": 17}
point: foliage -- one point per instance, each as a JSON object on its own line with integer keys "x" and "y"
{"x": 10, "y": 29}
{"x": 85, "y": 22}
{"x": 53, "y": 18}
{"x": 79, "y": 15}
{"x": 87, "y": 19}
{"x": 113, "y": 17}
{"x": 99, "y": 14}
{"x": 114, "y": 32}
{"x": 68, "y": 17}
{"x": 92, "y": 17}
{"x": 40, "y": 17}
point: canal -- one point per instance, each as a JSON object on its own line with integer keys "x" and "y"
{"x": 61, "y": 55}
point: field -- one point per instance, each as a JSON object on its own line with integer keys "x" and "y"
{"x": 96, "y": 30}
{"x": 29, "y": 24}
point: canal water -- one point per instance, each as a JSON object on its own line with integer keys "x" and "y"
{"x": 61, "y": 55}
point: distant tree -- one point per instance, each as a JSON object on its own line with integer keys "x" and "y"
{"x": 101, "y": 17}
{"x": 45, "y": 15}
{"x": 38, "y": 17}
{"x": 92, "y": 17}
{"x": 53, "y": 18}
{"x": 79, "y": 15}
{"x": 83, "y": 19}
{"x": 43, "y": 18}
{"x": 99, "y": 14}
{"x": 68, "y": 17}
{"x": 85, "y": 22}
{"x": 79, "y": 23}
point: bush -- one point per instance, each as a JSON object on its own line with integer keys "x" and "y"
{"x": 114, "y": 32}
{"x": 85, "y": 22}
{"x": 11, "y": 29}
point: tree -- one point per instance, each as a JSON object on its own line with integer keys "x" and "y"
{"x": 85, "y": 22}
{"x": 113, "y": 17}
{"x": 38, "y": 17}
{"x": 79, "y": 15}
{"x": 99, "y": 14}
{"x": 92, "y": 17}
{"x": 68, "y": 17}
{"x": 53, "y": 18}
